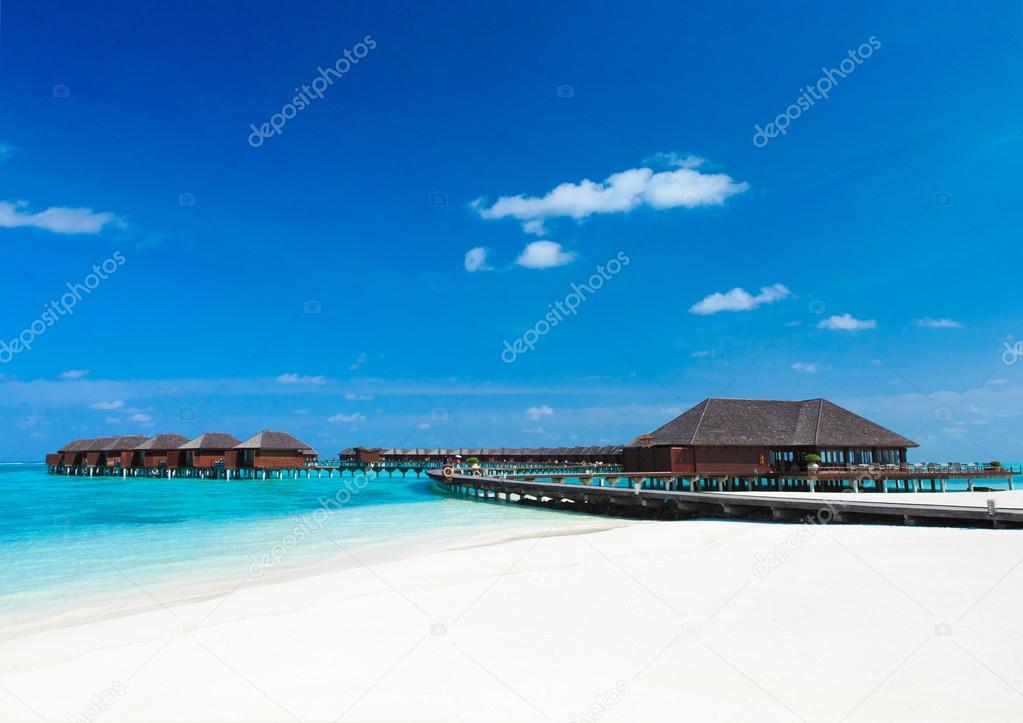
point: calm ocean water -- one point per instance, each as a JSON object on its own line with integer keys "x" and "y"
{"x": 68, "y": 542}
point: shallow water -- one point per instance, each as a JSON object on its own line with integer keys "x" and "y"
{"x": 69, "y": 542}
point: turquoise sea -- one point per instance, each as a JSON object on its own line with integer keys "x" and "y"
{"x": 73, "y": 542}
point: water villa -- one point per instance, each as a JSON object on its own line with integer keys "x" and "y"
{"x": 212, "y": 454}
{"x": 208, "y": 450}
{"x": 272, "y": 450}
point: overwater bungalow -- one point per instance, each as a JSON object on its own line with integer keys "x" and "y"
{"x": 609, "y": 454}
{"x": 271, "y": 450}
{"x": 751, "y": 437}
{"x": 97, "y": 452}
{"x": 154, "y": 451}
{"x": 207, "y": 450}
{"x": 120, "y": 451}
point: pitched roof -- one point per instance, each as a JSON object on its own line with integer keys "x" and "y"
{"x": 756, "y": 422}
{"x": 212, "y": 440}
{"x": 163, "y": 441}
{"x": 268, "y": 439}
{"x": 117, "y": 444}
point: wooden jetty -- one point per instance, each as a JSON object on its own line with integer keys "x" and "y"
{"x": 671, "y": 497}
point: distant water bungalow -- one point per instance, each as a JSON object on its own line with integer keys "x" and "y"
{"x": 208, "y": 450}
{"x": 172, "y": 453}
{"x": 486, "y": 455}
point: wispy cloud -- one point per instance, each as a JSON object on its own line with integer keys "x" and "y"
{"x": 58, "y": 219}
{"x": 701, "y": 354}
{"x": 293, "y": 378}
{"x": 618, "y": 193}
{"x": 140, "y": 418}
{"x": 538, "y": 413}
{"x": 544, "y": 255}
{"x": 805, "y": 367}
{"x": 929, "y": 323}
{"x": 476, "y": 259}
{"x": 74, "y": 374}
{"x": 339, "y": 418}
{"x": 6, "y": 151}
{"x": 359, "y": 361}
{"x": 739, "y": 300}
{"x": 846, "y": 322}
{"x": 107, "y": 406}
{"x": 353, "y": 397}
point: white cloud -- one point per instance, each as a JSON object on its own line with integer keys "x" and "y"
{"x": 423, "y": 425}
{"x": 107, "y": 406}
{"x": 292, "y": 378}
{"x": 339, "y": 418}
{"x": 618, "y": 193}
{"x": 805, "y": 367}
{"x": 359, "y": 361}
{"x": 739, "y": 300}
{"x": 929, "y": 323}
{"x": 476, "y": 260}
{"x": 544, "y": 255}
{"x": 353, "y": 397}
{"x": 846, "y": 322}
{"x": 702, "y": 353}
{"x": 6, "y": 151}
{"x": 673, "y": 159}
{"x": 57, "y": 219}
{"x": 538, "y": 413}
{"x": 74, "y": 374}
{"x": 113, "y": 420}
{"x": 141, "y": 418}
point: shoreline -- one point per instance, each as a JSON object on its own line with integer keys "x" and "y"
{"x": 124, "y": 602}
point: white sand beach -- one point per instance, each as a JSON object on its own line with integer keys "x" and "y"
{"x": 690, "y": 620}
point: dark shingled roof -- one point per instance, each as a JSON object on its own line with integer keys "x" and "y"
{"x": 212, "y": 440}
{"x": 118, "y": 444}
{"x": 163, "y": 441}
{"x": 268, "y": 439}
{"x": 761, "y": 422}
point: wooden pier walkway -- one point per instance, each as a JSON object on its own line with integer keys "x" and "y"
{"x": 644, "y": 498}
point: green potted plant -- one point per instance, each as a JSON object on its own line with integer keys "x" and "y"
{"x": 995, "y": 464}
{"x": 813, "y": 462}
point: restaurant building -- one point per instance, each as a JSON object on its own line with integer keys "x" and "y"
{"x": 751, "y": 437}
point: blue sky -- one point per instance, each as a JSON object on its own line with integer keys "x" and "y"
{"x": 467, "y": 169}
